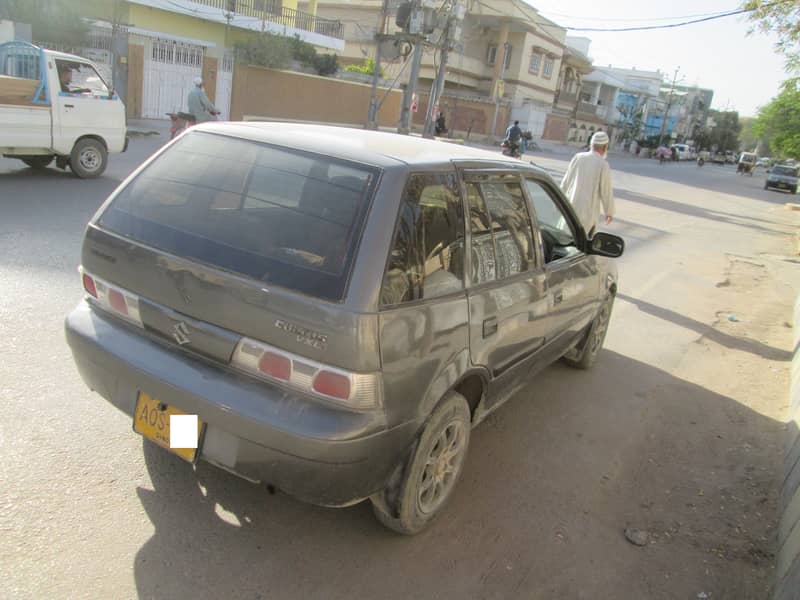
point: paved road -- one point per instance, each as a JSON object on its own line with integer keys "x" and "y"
{"x": 677, "y": 432}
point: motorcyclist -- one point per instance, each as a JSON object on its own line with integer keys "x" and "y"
{"x": 514, "y": 137}
{"x": 198, "y": 103}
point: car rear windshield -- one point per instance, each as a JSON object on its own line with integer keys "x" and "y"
{"x": 781, "y": 170}
{"x": 282, "y": 217}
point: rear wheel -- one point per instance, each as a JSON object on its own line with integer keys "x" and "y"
{"x": 584, "y": 357}
{"x": 89, "y": 158}
{"x": 432, "y": 471}
{"x": 37, "y": 162}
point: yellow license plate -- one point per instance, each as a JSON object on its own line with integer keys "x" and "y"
{"x": 151, "y": 420}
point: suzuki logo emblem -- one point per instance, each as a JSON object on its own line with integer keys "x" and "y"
{"x": 181, "y": 333}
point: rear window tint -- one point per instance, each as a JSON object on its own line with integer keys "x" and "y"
{"x": 282, "y": 217}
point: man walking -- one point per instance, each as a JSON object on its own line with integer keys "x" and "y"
{"x": 587, "y": 184}
{"x": 199, "y": 104}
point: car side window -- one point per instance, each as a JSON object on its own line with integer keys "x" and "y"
{"x": 558, "y": 237}
{"x": 502, "y": 235}
{"x": 427, "y": 255}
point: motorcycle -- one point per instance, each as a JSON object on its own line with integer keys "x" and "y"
{"x": 512, "y": 149}
{"x": 180, "y": 122}
{"x": 700, "y": 162}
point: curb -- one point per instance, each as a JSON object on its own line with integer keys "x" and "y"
{"x": 787, "y": 568}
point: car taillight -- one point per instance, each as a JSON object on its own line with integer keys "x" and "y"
{"x": 332, "y": 384}
{"x": 112, "y": 298}
{"x": 275, "y": 365}
{"x": 88, "y": 285}
{"x": 361, "y": 391}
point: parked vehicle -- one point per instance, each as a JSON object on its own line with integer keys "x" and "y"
{"x": 57, "y": 106}
{"x": 180, "y": 122}
{"x": 782, "y": 177}
{"x": 325, "y": 309}
{"x": 730, "y": 158}
{"x": 763, "y": 162}
{"x": 719, "y": 158}
{"x": 747, "y": 163}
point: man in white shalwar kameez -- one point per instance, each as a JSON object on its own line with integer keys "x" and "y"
{"x": 587, "y": 184}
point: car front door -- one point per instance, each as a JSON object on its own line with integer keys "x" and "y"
{"x": 574, "y": 288}
{"x": 506, "y": 293}
{"x": 82, "y": 105}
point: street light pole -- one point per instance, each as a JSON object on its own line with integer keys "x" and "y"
{"x": 438, "y": 85}
{"x": 372, "y": 119}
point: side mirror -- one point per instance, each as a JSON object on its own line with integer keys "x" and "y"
{"x": 606, "y": 244}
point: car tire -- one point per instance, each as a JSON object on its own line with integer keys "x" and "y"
{"x": 431, "y": 473}
{"x": 89, "y": 158}
{"x": 585, "y": 355}
{"x": 766, "y": 186}
{"x": 37, "y": 162}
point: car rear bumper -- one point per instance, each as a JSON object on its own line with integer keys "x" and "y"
{"x": 318, "y": 453}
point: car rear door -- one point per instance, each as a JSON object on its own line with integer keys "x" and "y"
{"x": 506, "y": 293}
{"x": 574, "y": 286}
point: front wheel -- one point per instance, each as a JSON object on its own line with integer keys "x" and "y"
{"x": 89, "y": 158}
{"x": 584, "y": 357}
{"x": 37, "y": 162}
{"x": 431, "y": 473}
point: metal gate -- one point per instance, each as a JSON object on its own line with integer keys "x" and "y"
{"x": 224, "y": 86}
{"x": 169, "y": 68}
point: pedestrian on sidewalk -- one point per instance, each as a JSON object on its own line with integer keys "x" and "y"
{"x": 587, "y": 184}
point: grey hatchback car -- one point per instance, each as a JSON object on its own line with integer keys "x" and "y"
{"x": 337, "y": 308}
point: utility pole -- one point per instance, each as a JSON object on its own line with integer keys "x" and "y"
{"x": 438, "y": 84}
{"x": 497, "y": 91}
{"x": 372, "y": 118}
{"x": 405, "y": 114}
{"x": 669, "y": 104}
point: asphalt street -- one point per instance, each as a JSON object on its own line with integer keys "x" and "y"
{"x": 676, "y": 432}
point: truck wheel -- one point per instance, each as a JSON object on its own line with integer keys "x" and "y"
{"x": 37, "y": 162}
{"x": 584, "y": 357}
{"x": 88, "y": 159}
{"x": 432, "y": 471}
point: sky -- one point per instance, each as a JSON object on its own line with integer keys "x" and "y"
{"x": 744, "y": 71}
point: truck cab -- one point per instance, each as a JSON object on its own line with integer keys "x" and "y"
{"x": 57, "y": 106}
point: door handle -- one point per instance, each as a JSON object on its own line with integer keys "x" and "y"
{"x": 489, "y": 326}
{"x": 69, "y": 106}
{"x": 558, "y": 297}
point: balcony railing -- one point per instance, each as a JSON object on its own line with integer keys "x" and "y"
{"x": 274, "y": 12}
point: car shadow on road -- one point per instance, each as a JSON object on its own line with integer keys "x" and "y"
{"x": 552, "y": 480}
{"x": 693, "y": 210}
{"x": 754, "y": 347}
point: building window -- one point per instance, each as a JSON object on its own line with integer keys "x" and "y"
{"x": 536, "y": 63}
{"x": 548, "y": 67}
{"x": 491, "y": 54}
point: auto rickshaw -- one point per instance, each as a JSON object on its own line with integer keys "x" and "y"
{"x": 747, "y": 163}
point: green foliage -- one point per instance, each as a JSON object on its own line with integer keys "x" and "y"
{"x": 780, "y": 122}
{"x": 326, "y": 64}
{"x": 277, "y": 52}
{"x": 783, "y": 18}
{"x": 368, "y": 68}
{"x": 724, "y": 136}
{"x": 53, "y": 21}
{"x": 265, "y": 50}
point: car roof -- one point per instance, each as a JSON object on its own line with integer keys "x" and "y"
{"x": 377, "y": 148}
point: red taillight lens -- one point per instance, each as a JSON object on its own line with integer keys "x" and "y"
{"x": 117, "y": 302}
{"x": 332, "y": 384}
{"x": 88, "y": 285}
{"x": 275, "y": 365}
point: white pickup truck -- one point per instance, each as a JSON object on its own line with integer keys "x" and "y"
{"x": 56, "y": 106}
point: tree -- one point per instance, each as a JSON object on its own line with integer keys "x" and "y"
{"x": 54, "y": 21}
{"x": 723, "y": 134}
{"x": 780, "y": 122}
{"x": 781, "y": 17}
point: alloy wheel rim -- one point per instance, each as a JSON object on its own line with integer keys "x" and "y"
{"x": 442, "y": 466}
